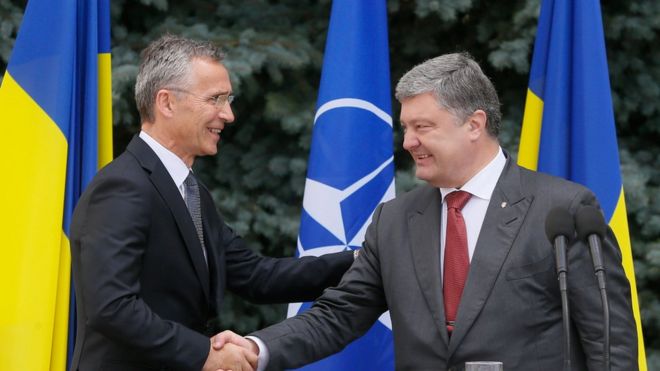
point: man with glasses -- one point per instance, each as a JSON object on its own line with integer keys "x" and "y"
{"x": 151, "y": 256}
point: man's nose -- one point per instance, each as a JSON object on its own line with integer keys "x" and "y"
{"x": 410, "y": 141}
{"x": 226, "y": 113}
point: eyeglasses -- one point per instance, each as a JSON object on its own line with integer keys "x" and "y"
{"x": 217, "y": 100}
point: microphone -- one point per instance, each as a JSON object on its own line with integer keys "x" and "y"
{"x": 591, "y": 228}
{"x": 559, "y": 228}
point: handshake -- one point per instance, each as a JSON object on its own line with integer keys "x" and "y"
{"x": 231, "y": 352}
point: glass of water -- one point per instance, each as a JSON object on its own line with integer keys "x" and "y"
{"x": 484, "y": 366}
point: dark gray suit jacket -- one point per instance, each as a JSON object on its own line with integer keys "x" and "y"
{"x": 510, "y": 310}
{"x": 145, "y": 297}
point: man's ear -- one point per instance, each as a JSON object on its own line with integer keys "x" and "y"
{"x": 477, "y": 124}
{"x": 165, "y": 103}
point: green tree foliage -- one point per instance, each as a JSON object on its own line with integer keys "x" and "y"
{"x": 11, "y": 13}
{"x": 274, "y": 53}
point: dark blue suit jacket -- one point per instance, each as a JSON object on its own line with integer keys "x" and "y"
{"x": 145, "y": 296}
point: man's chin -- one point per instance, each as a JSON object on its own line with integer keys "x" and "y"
{"x": 211, "y": 151}
{"x": 422, "y": 175}
{"x": 431, "y": 179}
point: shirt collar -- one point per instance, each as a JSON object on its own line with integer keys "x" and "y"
{"x": 173, "y": 163}
{"x": 483, "y": 183}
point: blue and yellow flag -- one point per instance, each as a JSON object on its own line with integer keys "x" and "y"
{"x": 350, "y": 164}
{"x": 568, "y": 127}
{"x": 56, "y": 117}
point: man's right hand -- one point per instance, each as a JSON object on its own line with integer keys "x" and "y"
{"x": 230, "y": 357}
{"x": 229, "y": 337}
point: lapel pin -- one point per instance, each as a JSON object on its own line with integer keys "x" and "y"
{"x": 503, "y": 205}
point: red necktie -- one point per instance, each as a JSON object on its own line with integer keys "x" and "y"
{"x": 457, "y": 261}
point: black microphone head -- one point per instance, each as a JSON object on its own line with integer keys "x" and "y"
{"x": 559, "y": 222}
{"x": 589, "y": 220}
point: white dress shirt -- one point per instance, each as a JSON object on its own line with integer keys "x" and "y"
{"x": 174, "y": 165}
{"x": 481, "y": 187}
{"x": 264, "y": 355}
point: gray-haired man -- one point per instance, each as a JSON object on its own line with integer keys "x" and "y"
{"x": 462, "y": 263}
{"x": 151, "y": 256}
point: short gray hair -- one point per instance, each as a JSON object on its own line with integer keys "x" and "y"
{"x": 166, "y": 62}
{"x": 459, "y": 86}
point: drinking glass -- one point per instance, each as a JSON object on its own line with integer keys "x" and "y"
{"x": 484, "y": 366}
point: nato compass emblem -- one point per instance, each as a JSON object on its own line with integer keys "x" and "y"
{"x": 350, "y": 172}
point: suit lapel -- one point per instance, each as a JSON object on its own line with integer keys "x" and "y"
{"x": 504, "y": 216}
{"x": 165, "y": 186}
{"x": 424, "y": 232}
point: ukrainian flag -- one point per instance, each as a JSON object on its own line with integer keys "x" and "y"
{"x": 568, "y": 127}
{"x": 56, "y": 117}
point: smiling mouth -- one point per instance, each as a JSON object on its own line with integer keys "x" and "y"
{"x": 215, "y": 131}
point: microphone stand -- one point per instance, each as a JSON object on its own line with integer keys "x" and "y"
{"x": 560, "y": 228}
{"x": 599, "y": 270}
{"x": 560, "y": 257}
{"x": 591, "y": 227}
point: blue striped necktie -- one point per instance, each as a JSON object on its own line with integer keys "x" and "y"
{"x": 193, "y": 204}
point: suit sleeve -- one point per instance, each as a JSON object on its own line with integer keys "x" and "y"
{"x": 340, "y": 315}
{"x": 279, "y": 280}
{"x": 113, "y": 239}
{"x": 585, "y": 302}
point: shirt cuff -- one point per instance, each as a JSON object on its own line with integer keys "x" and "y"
{"x": 264, "y": 356}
